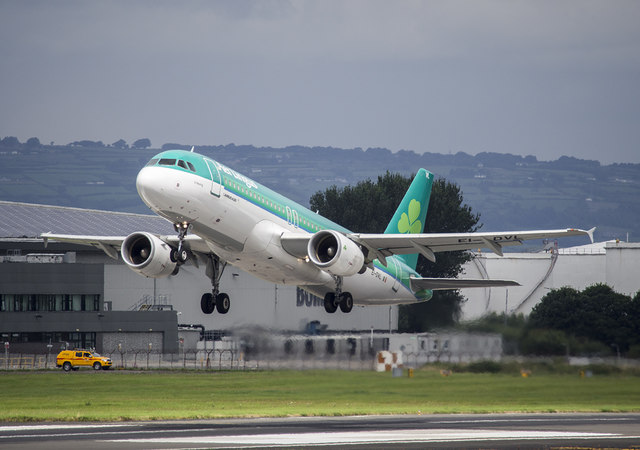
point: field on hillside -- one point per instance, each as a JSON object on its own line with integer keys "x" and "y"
{"x": 152, "y": 395}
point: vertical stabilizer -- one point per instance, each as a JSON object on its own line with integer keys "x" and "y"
{"x": 410, "y": 216}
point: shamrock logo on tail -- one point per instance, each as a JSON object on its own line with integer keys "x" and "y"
{"x": 410, "y": 223}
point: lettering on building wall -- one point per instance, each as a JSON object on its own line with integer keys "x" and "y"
{"x": 304, "y": 299}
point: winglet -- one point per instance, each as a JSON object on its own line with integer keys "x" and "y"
{"x": 193, "y": 147}
{"x": 590, "y": 233}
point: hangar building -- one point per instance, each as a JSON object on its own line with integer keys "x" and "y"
{"x": 74, "y": 295}
{"x": 613, "y": 263}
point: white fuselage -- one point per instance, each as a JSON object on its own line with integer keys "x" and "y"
{"x": 246, "y": 235}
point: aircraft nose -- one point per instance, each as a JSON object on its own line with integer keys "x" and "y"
{"x": 149, "y": 185}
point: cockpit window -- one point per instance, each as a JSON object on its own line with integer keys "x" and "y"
{"x": 166, "y": 162}
{"x": 191, "y": 168}
{"x": 152, "y": 162}
{"x": 182, "y": 164}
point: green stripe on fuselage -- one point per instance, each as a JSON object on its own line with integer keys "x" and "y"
{"x": 276, "y": 204}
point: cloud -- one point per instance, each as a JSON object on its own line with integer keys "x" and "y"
{"x": 544, "y": 77}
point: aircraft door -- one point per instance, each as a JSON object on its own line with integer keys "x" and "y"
{"x": 216, "y": 181}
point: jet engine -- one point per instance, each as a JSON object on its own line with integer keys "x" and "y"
{"x": 334, "y": 252}
{"x": 147, "y": 255}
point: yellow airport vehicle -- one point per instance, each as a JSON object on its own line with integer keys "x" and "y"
{"x": 74, "y": 359}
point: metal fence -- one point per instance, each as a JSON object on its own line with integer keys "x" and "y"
{"x": 193, "y": 360}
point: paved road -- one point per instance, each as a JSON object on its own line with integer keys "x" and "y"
{"x": 444, "y": 431}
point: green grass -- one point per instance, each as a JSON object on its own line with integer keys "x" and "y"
{"x": 124, "y": 395}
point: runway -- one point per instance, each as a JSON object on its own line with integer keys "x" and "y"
{"x": 434, "y": 431}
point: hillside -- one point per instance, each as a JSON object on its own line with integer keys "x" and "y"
{"x": 510, "y": 192}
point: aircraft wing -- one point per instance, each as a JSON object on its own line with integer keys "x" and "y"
{"x": 428, "y": 244}
{"x": 111, "y": 244}
{"x": 439, "y": 284}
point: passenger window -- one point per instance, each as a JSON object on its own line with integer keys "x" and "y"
{"x": 78, "y": 354}
{"x": 152, "y": 162}
{"x": 182, "y": 164}
{"x": 191, "y": 168}
{"x": 166, "y": 162}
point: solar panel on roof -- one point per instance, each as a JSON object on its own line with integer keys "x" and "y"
{"x": 24, "y": 220}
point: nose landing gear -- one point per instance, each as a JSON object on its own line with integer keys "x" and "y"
{"x": 210, "y": 301}
{"x": 180, "y": 255}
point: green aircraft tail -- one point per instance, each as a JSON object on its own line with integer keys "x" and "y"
{"x": 412, "y": 212}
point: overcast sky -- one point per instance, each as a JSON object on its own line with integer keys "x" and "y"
{"x": 546, "y": 78}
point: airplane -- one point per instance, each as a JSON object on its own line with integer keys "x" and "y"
{"x": 223, "y": 217}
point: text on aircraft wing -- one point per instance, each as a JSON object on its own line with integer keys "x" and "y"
{"x": 428, "y": 244}
{"x": 438, "y": 284}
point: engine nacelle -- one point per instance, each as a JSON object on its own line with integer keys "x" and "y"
{"x": 147, "y": 255}
{"x": 335, "y": 253}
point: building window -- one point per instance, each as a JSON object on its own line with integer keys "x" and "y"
{"x": 17, "y": 303}
{"x": 66, "y": 303}
{"x": 49, "y": 302}
{"x": 59, "y": 340}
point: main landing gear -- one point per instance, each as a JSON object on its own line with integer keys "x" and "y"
{"x": 333, "y": 300}
{"x": 215, "y": 299}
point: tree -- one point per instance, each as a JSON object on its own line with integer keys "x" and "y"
{"x": 122, "y": 144}
{"x": 33, "y": 142}
{"x": 10, "y": 142}
{"x": 141, "y": 143}
{"x": 446, "y": 214}
{"x": 368, "y": 206}
{"x": 598, "y": 313}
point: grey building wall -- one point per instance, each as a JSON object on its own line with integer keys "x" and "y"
{"x": 36, "y": 278}
{"x": 143, "y": 324}
{"x": 152, "y": 341}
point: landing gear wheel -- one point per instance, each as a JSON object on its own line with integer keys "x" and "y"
{"x": 330, "y": 305}
{"x": 179, "y": 256}
{"x": 223, "y": 303}
{"x": 346, "y": 302}
{"x": 207, "y": 304}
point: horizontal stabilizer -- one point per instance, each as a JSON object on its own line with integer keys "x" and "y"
{"x": 439, "y": 284}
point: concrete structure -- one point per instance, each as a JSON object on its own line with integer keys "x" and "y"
{"x": 613, "y": 263}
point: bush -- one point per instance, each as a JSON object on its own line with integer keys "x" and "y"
{"x": 478, "y": 367}
{"x": 604, "y": 369}
{"x": 544, "y": 342}
{"x": 484, "y": 367}
{"x": 634, "y": 351}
